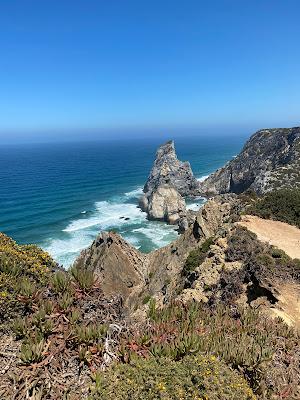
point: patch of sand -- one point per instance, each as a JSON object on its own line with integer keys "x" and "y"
{"x": 284, "y": 236}
{"x": 288, "y": 306}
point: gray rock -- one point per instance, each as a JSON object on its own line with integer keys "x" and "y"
{"x": 168, "y": 170}
{"x": 169, "y": 181}
{"x": 269, "y": 160}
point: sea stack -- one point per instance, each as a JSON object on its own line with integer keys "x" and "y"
{"x": 170, "y": 180}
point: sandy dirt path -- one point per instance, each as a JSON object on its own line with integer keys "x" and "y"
{"x": 284, "y": 236}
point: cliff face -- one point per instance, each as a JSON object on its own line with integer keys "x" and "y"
{"x": 120, "y": 268}
{"x": 169, "y": 181}
{"x": 269, "y": 160}
{"x": 123, "y": 270}
{"x": 167, "y": 169}
{"x": 214, "y": 260}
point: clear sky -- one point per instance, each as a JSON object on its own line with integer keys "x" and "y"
{"x": 68, "y": 67}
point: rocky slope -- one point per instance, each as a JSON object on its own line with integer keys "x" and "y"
{"x": 124, "y": 270}
{"x": 170, "y": 180}
{"x": 214, "y": 260}
{"x": 269, "y": 160}
{"x": 119, "y": 304}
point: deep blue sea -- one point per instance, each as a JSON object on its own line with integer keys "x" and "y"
{"x": 60, "y": 196}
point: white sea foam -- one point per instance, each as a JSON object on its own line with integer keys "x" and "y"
{"x": 123, "y": 216}
{"x": 202, "y": 178}
{"x": 133, "y": 194}
{"x": 193, "y": 206}
{"x": 67, "y": 249}
{"x": 108, "y": 214}
{"x": 158, "y": 234}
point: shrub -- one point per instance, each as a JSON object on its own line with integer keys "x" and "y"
{"x": 32, "y": 352}
{"x": 242, "y": 338}
{"x": 146, "y": 299}
{"x": 89, "y": 334}
{"x": 84, "y": 277}
{"x": 196, "y": 257}
{"x": 20, "y": 327}
{"x": 191, "y": 378}
{"x": 60, "y": 282}
{"x": 282, "y": 205}
{"x": 65, "y": 301}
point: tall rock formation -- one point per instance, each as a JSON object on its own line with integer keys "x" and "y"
{"x": 170, "y": 180}
{"x": 269, "y": 160}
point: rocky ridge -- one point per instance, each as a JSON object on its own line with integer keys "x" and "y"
{"x": 125, "y": 271}
{"x": 269, "y": 160}
{"x": 213, "y": 260}
{"x": 170, "y": 180}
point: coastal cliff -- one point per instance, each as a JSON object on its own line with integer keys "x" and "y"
{"x": 170, "y": 180}
{"x": 127, "y": 325}
{"x": 270, "y": 160}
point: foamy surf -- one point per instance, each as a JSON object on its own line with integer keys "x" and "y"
{"x": 202, "y": 178}
{"x": 108, "y": 214}
{"x": 133, "y": 194}
{"x": 120, "y": 214}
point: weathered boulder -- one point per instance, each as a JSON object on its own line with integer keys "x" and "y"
{"x": 269, "y": 160}
{"x": 165, "y": 203}
{"x": 169, "y": 181}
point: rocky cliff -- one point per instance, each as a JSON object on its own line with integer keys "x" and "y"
{"x": 125, "y": 271}
{"x": 214, "y": 261}
{"x": 269, "y": 160}
{"x": 170, "y": 180}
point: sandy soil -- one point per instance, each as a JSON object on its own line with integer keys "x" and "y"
{"x": 288, "y": 307}
{"x": 284, "y": 236}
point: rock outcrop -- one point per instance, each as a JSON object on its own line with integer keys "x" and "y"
{"x": 123, "y": 270}
{"x": 214, "y": 260}
{"x": 269, "y": 160}
{"x": 170, "y": 180}
{"x": 120, "y": 268}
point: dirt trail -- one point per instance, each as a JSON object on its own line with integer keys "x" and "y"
{"x": 284, "y": 236}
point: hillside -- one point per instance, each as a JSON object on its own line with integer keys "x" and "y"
{"x": 213, "y": 315}
{"x": 270, "y": 160}
{"x": 121, "y": 324}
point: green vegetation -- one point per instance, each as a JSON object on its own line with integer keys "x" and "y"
{"x": 58, "y": 324}
{"x": 247, "y": 342}
{"x": 56, "y": 321}
{"x": 23, "y": 271}
{"x": 260, "y": 261}
{"x": 146, "y": 299}
{"x": 195, "y": 378}
{"x": 282, "y": 205}
{"x": 85, "y": 278}
{"x": 197, "y": 256}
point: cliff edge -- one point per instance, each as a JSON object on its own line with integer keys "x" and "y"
{"x": 270, "y": 160}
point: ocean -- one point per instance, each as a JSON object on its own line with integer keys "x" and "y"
{"x": 60, "y": 196}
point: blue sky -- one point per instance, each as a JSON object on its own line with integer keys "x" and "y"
{"x": 69, "y": 67}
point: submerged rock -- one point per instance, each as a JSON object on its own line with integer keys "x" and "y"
{"x": 170, "y": 180}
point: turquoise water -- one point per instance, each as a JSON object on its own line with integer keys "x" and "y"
{"x": 60, "y": 196}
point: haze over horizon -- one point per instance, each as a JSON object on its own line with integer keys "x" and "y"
{"x": 74, "y": 70}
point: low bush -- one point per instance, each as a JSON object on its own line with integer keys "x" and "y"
{"x": 196, "y": 257}
{"x": 198, "y": 377}
{"x": 84, "y": 277}
{"x": 246, "y": 341}
{"x": 282, "y": 205}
